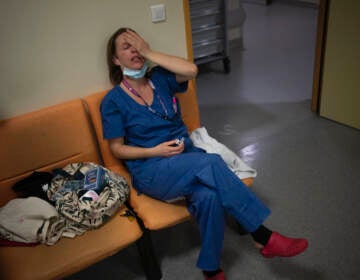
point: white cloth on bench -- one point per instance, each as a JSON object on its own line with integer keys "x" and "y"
{"x": 203, "y": 140}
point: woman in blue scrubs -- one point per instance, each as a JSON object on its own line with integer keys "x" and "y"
{"x": 142, "y": 121}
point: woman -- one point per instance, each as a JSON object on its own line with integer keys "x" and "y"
{"x": 142, "y": 122}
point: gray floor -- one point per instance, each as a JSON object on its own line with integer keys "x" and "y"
{"x": 308, "y": 167}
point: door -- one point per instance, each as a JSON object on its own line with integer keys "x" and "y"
{"x": 339, "y": 89}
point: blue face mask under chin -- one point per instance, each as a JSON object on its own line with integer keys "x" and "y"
{"x": 136, "y": 74}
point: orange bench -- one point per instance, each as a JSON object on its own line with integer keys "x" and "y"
{"x": 55, "y": 136}
{"x": 43, "y": 140}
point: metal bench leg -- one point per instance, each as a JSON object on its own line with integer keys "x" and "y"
{"x": 148, "y": 259}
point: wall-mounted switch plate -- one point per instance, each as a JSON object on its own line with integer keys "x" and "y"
{"x": 158, "y": 13}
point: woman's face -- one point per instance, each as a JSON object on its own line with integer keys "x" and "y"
{"x": 126, "y": 55}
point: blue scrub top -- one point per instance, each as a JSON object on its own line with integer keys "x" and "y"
{"x": 122, "y": 116}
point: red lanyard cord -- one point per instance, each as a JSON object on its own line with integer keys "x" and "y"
{"x": 152, "y": 110}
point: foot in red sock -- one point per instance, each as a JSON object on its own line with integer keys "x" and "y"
{"x": 218, "y": 276}
{"x": 282, "y": 246}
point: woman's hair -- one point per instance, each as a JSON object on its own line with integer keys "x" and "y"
{"x": 115, "y": 72}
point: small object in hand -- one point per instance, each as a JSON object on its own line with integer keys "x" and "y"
{"x": 178, "y": 142}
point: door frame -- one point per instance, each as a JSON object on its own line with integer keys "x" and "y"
{"x": 322, "y": 23}
{"x": 188, "y": 33}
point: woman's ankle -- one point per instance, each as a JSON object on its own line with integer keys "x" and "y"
{"x": 261, "y": 235}
{"x": 258, "y": 245}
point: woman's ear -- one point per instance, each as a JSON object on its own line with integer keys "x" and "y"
{"x": 116, "y": 61}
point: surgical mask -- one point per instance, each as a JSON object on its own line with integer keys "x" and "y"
{"x": 136, "y": 74}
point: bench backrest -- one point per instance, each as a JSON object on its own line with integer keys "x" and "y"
{"x": 43, "y": 140}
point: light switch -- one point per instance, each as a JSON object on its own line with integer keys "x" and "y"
{"x": 158, "y": 13}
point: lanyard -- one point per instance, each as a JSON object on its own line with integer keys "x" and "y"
{"x": 152, "y": 110}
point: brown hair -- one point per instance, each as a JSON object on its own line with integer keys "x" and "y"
{"x": 115, "y": 72}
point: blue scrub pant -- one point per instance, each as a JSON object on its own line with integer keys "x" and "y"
{"x": 210, "y": 188}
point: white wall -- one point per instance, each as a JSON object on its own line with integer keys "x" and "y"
{"x": 53, "y": 51}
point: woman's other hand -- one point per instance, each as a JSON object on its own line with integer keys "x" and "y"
{"x": 168, "y": 149}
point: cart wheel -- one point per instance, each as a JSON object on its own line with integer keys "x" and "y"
{"x": 226, "y": 62}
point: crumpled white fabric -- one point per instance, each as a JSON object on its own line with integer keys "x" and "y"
{"x": 203, "y": 140}
{"x": 23, "y": 219}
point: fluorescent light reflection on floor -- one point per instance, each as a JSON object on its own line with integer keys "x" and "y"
{"x": 249, "y": 153}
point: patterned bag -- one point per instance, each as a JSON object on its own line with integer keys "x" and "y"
{"x": 70, "y": 189}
